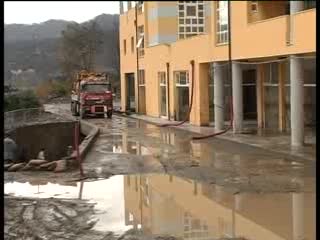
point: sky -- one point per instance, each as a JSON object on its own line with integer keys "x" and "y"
{"x": 28, "y": 12}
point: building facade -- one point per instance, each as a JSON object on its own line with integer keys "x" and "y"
{"x": 172, "y": 50}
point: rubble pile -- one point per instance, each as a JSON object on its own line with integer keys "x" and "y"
{"x": 61, "y": 165}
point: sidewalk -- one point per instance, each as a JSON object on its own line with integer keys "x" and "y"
{"x": 274, "y": 142}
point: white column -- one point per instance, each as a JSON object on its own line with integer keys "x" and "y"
{"x": 297, "y": 100}
{"x": 121, "y": 7}
{"x": 239, "y": 200}
{"x": 218, "y": 97}
{"x": 237, "y": 100}
{"x": 296, "y": 6}
{"x": 298, "y": 216}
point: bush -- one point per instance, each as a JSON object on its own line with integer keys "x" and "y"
{"x": 50, "y": 89}
{"x": 25, "y": 99}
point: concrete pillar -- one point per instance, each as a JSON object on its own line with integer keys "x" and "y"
{"x": 297, "y": 100}
{"x": 121, "y": 7}
{"x": 218, "y": 97}
{"x": 239, "y": 200}
{"x": 237, "y": 100}
{"x": 296, "y": 6}
{"x": 298, "y": 216}
{"x": 200, "y": 108}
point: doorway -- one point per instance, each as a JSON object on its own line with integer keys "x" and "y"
{"x": 182, "y": 95}
{"x": 163, "y": 94}
{"x": 249, "y": 94}
{"x": 130, "y": 98}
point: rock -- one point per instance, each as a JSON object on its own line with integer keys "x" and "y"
{"x": 16, "y": 167}
{"x": 7, "y": 166}
{"x": 37, "y": 162}
{"x": 49, "y": 166}
{"x": 61, "y": 166}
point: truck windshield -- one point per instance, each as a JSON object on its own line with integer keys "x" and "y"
{"x": 96, "y": 87}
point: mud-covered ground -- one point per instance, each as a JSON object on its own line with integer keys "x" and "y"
{"x": 128, "y": 146}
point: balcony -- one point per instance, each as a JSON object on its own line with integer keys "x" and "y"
{"x": 263, "y": 10}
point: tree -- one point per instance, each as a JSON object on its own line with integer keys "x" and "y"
{"x": 78, "y": 47}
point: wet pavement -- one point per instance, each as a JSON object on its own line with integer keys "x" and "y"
{"x": 128, "y": 146}
{"x": 266, "y": 139}
{"x": 165, "y": 184}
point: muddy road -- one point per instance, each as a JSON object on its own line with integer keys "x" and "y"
{"x": 162, "y": 185}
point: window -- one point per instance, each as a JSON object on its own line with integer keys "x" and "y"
{"x": 140, "y": 7}
{"x": 132, "y": 44}
{"x": 141, "y": 78}
{"x": 254, "y": 6}
{"x": 191, "y": 18}
{"x": 125, "y": 47}
{"x": 162, "y": 78}
{"x": 309, "y": 4}
{"x": 191, "y": 11}
{"x": 140, "y": 44}
{"x": 222, "y": 22}
{"x": 182, "y": 78}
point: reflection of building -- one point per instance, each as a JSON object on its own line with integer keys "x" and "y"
{"x": 273, "y": 68}
{"x": 184, "y": 208}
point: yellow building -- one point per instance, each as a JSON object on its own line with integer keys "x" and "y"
{"x": 183, "y": 50}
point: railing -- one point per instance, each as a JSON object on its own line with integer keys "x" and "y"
{"x": 17, "y": 118}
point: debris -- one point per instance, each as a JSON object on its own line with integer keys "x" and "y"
{"x": 37, "y": 162}
{"x": 7, "y": 166}
{"x": 27, "y": 168}
{"x": 48, "y": 165}
{"x": 61, "y": 166}
{"x": 16, "y": 167}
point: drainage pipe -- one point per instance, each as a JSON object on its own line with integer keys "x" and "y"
{"x": 137, "y": 49}
{"x": 191, "y": 103}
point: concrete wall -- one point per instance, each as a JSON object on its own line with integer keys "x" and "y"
{"x": 54, "y": 137}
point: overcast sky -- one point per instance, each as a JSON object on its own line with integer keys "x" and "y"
{"x": 29, "y": 12}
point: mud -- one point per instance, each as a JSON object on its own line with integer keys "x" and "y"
{"x": 224, "y": 188}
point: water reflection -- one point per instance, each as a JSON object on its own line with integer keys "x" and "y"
{"x": 184, "y": 208}
{"x": 115, "y": 143}
{"x": 165, "y": 204}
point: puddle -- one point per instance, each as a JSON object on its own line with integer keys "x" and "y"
{"x": 169, "y": 205}
{"x": 191, "y": 210}
{"x": 107, "y": 194}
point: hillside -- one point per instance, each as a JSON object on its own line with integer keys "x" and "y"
{"x": 35, "y": 48}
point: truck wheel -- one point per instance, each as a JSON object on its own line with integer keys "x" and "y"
{"x": 77, "y": 109}
{"x": 72, "y": 108}
{"x": 109, "y": 114}
{"x": 82, "y": 113}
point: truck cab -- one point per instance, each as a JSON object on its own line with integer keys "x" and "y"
{"x": 92, "y": 96}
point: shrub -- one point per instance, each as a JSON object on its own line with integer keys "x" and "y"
{"x": 21, "y": 100}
